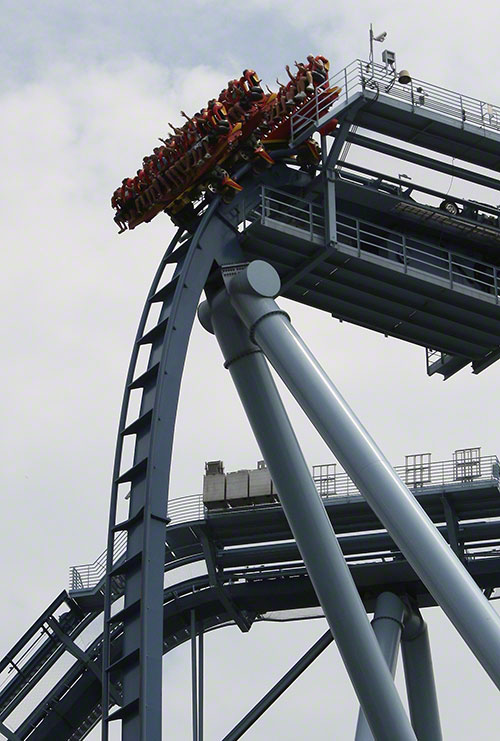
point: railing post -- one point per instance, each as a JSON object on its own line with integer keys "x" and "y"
{"x": 358, "y": 240}
{"x": 311, "y": 228}
{"x": 346, "y": 85}
{"x": 450, "y": 268}
{"x": 495, "y": 283}
{"x": 405, "y": 263}
{"x": 462, "y": 111}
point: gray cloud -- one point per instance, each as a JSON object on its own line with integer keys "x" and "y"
{"x": 90, "y": 89}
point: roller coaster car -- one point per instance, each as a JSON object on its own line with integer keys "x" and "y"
{"x": 235, "y": 142}
{"x": 229, "y": 143}
{"x": 280, "y": 135}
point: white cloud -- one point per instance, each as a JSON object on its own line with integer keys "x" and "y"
{"x": 72, "y": 291}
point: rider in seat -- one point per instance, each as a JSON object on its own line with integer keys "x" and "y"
{"x": 250, "y": 82}
{"x": 318, "y": 68}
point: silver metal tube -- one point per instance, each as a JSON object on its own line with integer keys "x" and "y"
{"x": 387, "y": 625}
{"x": 309, "y": 524}
{"x": 194, "y": 673}
{"x": 420, "y": 685}
{"x": 201, "y": 681}
{"x": 418, "y": 539}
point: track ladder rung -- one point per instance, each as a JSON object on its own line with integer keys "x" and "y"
{"x": 155, "y": 333}
{"x": 146, "y": 379}
{"x": 137, "y": 470}
{"x": 166, "y": 292}
{"x": 138, "y": 424}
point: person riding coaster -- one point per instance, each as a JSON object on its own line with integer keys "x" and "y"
{"x": 318, "y": 67}
{"x": 169, "y": 178}
{"x": 250, "y": 81}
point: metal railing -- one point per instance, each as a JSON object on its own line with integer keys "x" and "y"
{"x": 332, "y": 483}
{"x": 293, "y": 215}
{"x": 329, "y": 482}
{"x": 185, "y": 509}
{"x": 417, "y": 477}
{"x": 375, "y": 80}
{"x": 87, "y": 576}
{"x": 364, "y": 239}
{"x": 418, "y": 257}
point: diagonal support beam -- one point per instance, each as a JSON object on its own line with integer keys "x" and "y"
{"x": 423, "y": 161}
{"x": 309, "y": 522}
{"x": 210, "y": 557}
{"x": 446, "y": 578}
{"x": 341, "y": 136}
{"x": 280, "y": 687}
{"x": 79, "y": 654}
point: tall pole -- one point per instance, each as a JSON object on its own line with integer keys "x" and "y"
{"x": 453, "y": 588}
{"x": 371, "y": 50}
{"x": 201, "y": 680}
{"x": 419, "y": 677}
{"x": 387, "y": 625}
{"x": 194, "y": 675}
{"x": 309, "y": 524}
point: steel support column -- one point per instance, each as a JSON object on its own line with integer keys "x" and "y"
{"x": 251, "y": 289}
{"x": 387, "y": 625}
{"x": 329, "y": 161}
{"x": 194, "y": 677}
{"x": 201, "y": 680}
{"x": 279, "y": 688}
{"x": 452, "y": 527}
{"x": 419, "y": 677}
{"x": 309, "y": 523}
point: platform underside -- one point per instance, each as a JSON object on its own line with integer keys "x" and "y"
{"x": 372, "y": 294}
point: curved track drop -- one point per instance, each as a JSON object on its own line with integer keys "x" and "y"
{"x": 215, "y": 240}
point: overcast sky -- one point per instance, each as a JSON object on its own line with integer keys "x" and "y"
{"x": 85, "y": 92}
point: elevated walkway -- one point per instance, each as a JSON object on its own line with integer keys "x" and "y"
{"x": 379, "y": 278}
{"x": 261, "y": 574}
{"x": 418, "y": 113}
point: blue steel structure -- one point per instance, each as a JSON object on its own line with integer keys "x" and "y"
{"x": 369, "y": 249}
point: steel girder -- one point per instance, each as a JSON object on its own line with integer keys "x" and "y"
{"x": 216, "y": 239}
